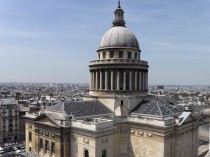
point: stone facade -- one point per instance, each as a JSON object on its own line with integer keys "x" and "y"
{"x": 125, "y": 138}
{"x": 46, "y": 138}
{"x": 118, "y": 118}
{"x": 9, "y": 120}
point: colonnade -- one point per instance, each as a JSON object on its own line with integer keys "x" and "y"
{"x": 119, "y": 79}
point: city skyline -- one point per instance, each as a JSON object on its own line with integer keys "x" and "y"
{"x": 53, "y": 41}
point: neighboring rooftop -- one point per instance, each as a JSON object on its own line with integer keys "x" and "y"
{"x": 7, "y": 101}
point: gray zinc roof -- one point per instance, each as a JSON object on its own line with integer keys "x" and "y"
{"x": 119, "y": 37}
{"x": 160, "y": 106}
{"x": 81, "y": 109}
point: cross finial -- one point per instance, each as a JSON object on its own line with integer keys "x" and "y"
{"x": 119, "y": 4}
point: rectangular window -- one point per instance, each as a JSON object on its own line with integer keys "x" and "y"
{"x": 29, "y": 136}
{"x": 41, "y": 143}
{"x": 135, "y": 55}
{"x": 53, "y": 147}
{"x": 10, "y": 112}
{"x": 111, "y": 54}
{"x": 46, "y": 145}
{"x": 129, "y": 55}
{"x": 104, "y": 55}
{"x": 121, "y": 54}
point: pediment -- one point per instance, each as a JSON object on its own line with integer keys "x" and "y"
{"x": 46, "y": 120}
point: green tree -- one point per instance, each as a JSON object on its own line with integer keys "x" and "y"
{"x": 17, "y": 95}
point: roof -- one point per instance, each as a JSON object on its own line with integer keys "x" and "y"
{"x": 119, "y": 37}
{"x": 7, "y": 101}
{"x": 81, "y": 109}
{"x": 30, "y": 154}
{"x": 161, "y": 106}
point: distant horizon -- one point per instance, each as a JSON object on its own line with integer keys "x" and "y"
{"x": 88, "y": 83}
{"x": 54, "y": 41}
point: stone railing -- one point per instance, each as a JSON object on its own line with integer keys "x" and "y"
{"x": 96, "y": 124}
{"x": 119, "y": 61}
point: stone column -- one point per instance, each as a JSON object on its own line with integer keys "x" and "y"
{"x": 118, "y": 80}
{"x": 106, "y": 80}
{"x": 140, "y": 81}
{"x": 143, "y": 81}
{"x": 206, "y": 112}
{"x": 92, "y": 82}
{"x": 112, "y": 80}
{"x": 146, "y": 80}
{"x": 94, "y": 79}
{"x": 130, "y": 80}
{"x": 124, "y": 80}
{"x": 96, "y": 87}
{"x": 136, "y": 80}
{"x": 101, "y": 81}
{"x": 90, "y": 86}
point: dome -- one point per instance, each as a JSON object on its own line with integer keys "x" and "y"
{"x": 119, "y": 37}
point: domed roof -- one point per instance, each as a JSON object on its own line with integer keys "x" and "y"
{"x": 119, "y": 37}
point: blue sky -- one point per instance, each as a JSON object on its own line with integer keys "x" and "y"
{"x": 54, "y": 40}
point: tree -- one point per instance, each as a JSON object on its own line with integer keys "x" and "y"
{"x": 17, "y": 95}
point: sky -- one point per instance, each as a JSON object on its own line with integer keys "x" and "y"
{"x": 53, "y": 41}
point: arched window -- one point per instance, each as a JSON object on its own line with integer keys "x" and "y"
{"x": 86, "y": 153}
{"x": 104, "y": 153}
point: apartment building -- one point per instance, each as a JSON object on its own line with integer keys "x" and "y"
{"x": 9, "y": 120}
